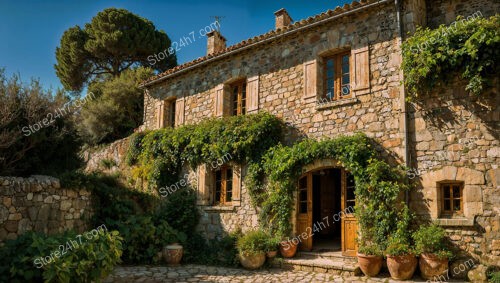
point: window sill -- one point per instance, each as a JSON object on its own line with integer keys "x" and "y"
{"x": 220, "y": 208}
{"x": 454, "y": 222}
{"x": 336, "y": 103}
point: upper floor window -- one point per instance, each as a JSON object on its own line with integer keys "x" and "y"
{"x": 223, "y": 187}
{"x": 452, "y": 198}
{"x": 239, "y": 97}
{"x": 336, "y": 79}
{"x": 171, "y": 114}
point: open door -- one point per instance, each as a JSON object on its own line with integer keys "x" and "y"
{"x": 349, "y": 224}
{"x": 305, "y": 211}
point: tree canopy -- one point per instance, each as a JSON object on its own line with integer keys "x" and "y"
{"x": 114, "y": 40}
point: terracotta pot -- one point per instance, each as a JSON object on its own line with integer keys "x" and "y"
{"x": 402, "y": 267}
{"x": 172, "y": 254}
{"x": 370, "y": 264}
{"x": 431, "y": 266}
{"x": 271, "y": 254}
{"x": 252, "y": 261}
{"x": 288, "y": 249}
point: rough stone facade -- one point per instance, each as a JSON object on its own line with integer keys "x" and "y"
{"x": 113, "y": 154}
{"x": 286, "y": 74}
{"x": 39, "y": 203}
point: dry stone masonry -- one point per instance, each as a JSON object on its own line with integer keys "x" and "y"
{"x": 38, "y": 203}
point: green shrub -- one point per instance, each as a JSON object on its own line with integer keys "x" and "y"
{"x": 272, "y": 243}
{"x": 179, "y": 210}
{"x": 432, "y": 239}
{"x": 20, "y": 259}
{"x": 494, "y": 276}
{"x": 108, "y": 163}
{"x": 134, "y": 148}
{"x": 399, "y": 242}
{"x": 220, "y": 251}
{"x": 253, "y": 242}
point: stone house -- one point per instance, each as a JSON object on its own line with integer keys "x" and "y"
{"x": 335, "y": 73}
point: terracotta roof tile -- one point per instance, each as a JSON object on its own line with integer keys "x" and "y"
{"x": 330, "y": 13}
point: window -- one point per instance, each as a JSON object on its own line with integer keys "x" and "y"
{"x": 350, "y": 199}
{"x": 223, "y": 186}
{"x": 239, "y": 97}
{"x": 303, "y": 195}
{"x": 452, "y": 198}
{"x": 171, "y": 114}
{"x": 336, "y": 76}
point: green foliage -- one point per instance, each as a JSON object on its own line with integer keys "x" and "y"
{"x": 243, "y": 138}
{"x": 494, "y": 276}
{"x": 33, "y": 133}
{"x": 91, "y": 261}
{"x": 468, "y": 47}
{"x": 108, "y": 163}
{"x": 253, "y": 242}
{"x": 399, "y": 242}
{"x": 432, "y": 239}
{"x": 114, "y": 40}
{"x": 221, "y": 251}
{"x": 272, "y": 243}
{"x": 117, "y": 108}
{"x": 134, "y": 148}
{"x": 179, "y": 210}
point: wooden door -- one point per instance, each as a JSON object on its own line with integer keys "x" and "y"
{"x": 349, "y": 224}
{"x": 304, "y": 212}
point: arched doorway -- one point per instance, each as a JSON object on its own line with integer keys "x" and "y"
{"x": 325, "y": 206}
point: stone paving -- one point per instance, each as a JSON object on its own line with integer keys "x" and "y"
{"x": 200, "y": 273}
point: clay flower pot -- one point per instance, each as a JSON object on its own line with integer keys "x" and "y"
{"x": 402, "y": 267}
{"x": 370, "y": 264}
{"x": 172, "y": 254}
{"x": 432, "y": 266}
{"x": 271, "y": 254}
{"x": 251, "y": 260}
{"x": 288, "y": 249}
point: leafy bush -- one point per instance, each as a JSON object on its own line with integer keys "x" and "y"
{"x": 494, "y": 276}
{"x": 108, "y": 163}
{"x": 253, "y": 242}
{"x": 34, "y": 129}
{"x": 220, "y": 251}
{"x": 179, "y": 210}
{"x": 432, "y": 239}
{"x": 469, "y": 48}
{"x": 117, "y": 109}
{"x": 88, "y": 262}
{"x": 272, "y": 243}
{"x": 399, "y": 242}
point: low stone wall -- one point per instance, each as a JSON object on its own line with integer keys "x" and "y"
{"x": 39, "y": 203}
{"x": 113, "y": 154}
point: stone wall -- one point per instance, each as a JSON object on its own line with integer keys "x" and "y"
{"x": 446, "y": 11}
{"x": 39, "y": 203}
{"x": 113, "y": 154}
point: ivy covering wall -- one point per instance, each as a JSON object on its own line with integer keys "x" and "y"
{"x": 467, "y": 48}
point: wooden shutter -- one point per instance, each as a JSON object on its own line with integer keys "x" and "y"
{"x": 219, "y": 100}
{"x": 226, "y": 101}
{"x": 179, "y": 112}
{"x": 203, "y": 185}
{"x": 361, "y": 70}
{"x": 253, "y": 94}
{"x": 236, "y": 197}
{"x": 310, "y": 79}
{"x": 160, "y": 111}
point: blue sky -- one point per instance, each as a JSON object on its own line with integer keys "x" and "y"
{"x": 31, "y": 30}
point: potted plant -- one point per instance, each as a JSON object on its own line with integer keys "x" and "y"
{"x": 288, "y": 247}
{"x": 252, "y": 249}
{"x": 401, "y": 260}
{"x": 369, "y": 258}
{"x": 272, "y": 246}
{"x": 430, "y": 244}
{"x": 169, "y": 238}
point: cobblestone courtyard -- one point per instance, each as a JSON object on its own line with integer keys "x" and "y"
{"x": 200, "y": 273}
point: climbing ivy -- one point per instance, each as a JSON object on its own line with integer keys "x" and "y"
{"x": 377, "y": 183}
{"x": 470, "y": 48}
{"x": 160, "y": 154}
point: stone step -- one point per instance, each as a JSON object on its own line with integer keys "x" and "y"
{"x": 335, "y": 256}
{"x": 323, "y": 265}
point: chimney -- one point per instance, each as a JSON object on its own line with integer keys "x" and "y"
{"x": 282, "y": 18}
{"x": 215, "y": 42}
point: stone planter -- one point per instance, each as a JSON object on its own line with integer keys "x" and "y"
{"x": 402, "y": 267}
{"x": 251, "y": 260}
{"x": 271, "y": 254}
{"x": 370, "y": 264}
{"x": 172, "y": 254}
{"x": 431, "y": 266}
{"x": 288, "y": 249}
